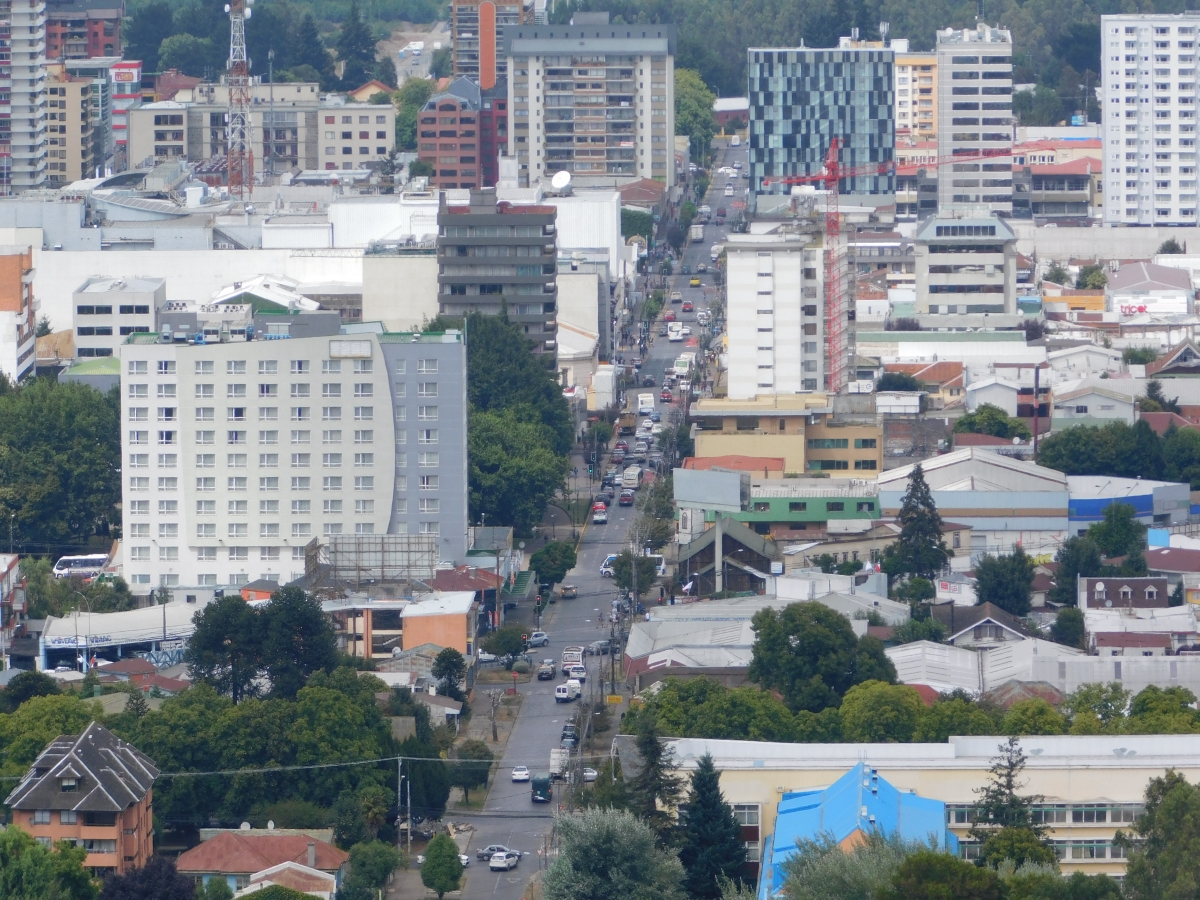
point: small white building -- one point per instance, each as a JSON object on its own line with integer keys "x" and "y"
{"x": 107, "y": 310}
{"x": 1090, "y": 403}
{"x": 994, "y": 392}
{"x": 1147, "y": 289}
{"x": 1086, "y": 359}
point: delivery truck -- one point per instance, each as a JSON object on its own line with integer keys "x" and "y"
{"x": 697, "y": 233}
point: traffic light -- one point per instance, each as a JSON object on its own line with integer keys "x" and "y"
{"x": 591, "y": 470}
{"x": 592, "y": 457}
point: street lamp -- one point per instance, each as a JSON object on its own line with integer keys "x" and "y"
{"x": 88, "y": 645}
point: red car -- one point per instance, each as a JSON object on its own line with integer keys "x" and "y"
{"x": 669, "y": 315}
{"x": 626, "y": 498}
{"x": 666, "y": 396}
{"x": 687, "y": 306}
{"x": 621, "y": 445}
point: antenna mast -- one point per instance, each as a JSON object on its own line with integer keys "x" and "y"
{"x": 240, "y": 156}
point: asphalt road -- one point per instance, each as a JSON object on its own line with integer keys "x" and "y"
{"x": 509, "y": 817}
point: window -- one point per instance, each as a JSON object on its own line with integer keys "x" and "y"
{"x": 331, "y": 507}
{"x": 331, "y": 483}
{"x": 206, "y": 530}
{"x": 168, "y": 507}
{"x": 331, "y": 460}
{"x": 362, "y": 367}
{"x": 331, "y": 390}
{"x": 140, "y": 391}
{"x": 364, "y": 413}
{"x": 331, "y": 437}
{"x": 300, "y": 413}
{"x": 797, "y": 506}
{"x": 427, "y": 389}
{"x": 165, "y": 366}
{"x": 364, "y": 460}
{"x": 300, "y": 367}
{"x": 331, "y": 413}
{"x": 41, "y": 817}
{"x": 862, "y": 465}
{"x": 235, "y": 367}
{"x": 137, "y": 367}
{"x": 301, "y": 460}
{"x": 835, "y": 506}
{"x": 427, "y": 436}
{"x": 235, "y": 460}
{"x": 427, "y": 413}
{"x": 866, "y": 506}
{"x": 268, "y": 413}
{"x": 205, "y": 367}
{"x": 268, "y": 437}
{"x": 268, "y": 367}
{"x": 364, "y": 437}
{"x": 368, "y": 390}
{"x": 206, "y": 460}
{"x": 301, "y": 484}
{"x": 424, "y": 367}
{"x": 864, "y": 443}
{"x": 364, "y": 482}
{"x": 301, "y": 436}
{"x": 301, "y": 530}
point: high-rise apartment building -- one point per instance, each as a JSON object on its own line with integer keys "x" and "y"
{"x": 23, "y": 108}
{"x": 965, "y": 264}
{"x": 801, "y": 99}
{"x": 776, "y": 314}
{"x": 496, "y": 254}
{"x": 975, "y": 121}
{"x": 592, "y": 99}
{"x": 477, "y": 29}
{"x": 1149, "y": 110}
{"x": 71, "y": 145}
{"x": 236, "y": 455}
{"x": 916, "y": 92}
{"x": 82, "y": 29}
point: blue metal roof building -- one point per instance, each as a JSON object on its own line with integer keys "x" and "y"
{"x": 858, "y": 802}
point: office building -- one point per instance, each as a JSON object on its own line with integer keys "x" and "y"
{"x": 108, "y": 310}
{"x": 23, "y": 148}
{"x": 965, "y": 265}
{"x": 83, "y": 29}
{"x": 352, "y": 136}
{"x": 776, "y": 314}
{"x": 18, "y": 312}
{"x": 800, "y": 99}
{"x": 448, "y": 136}
{"x": 237, "y": 454}
{"x": 592, "y": 99}
{"x": 472, "y": 242}
{"x": 101, "y": 71}
{"x": 70, "y": 147}
{"x": 1149, "y": 108}
{"x": 126, "y": 78}
{"x": 975, "y": 121}
{"x": 477, "y": 32}
{"x": 916, "y": 92}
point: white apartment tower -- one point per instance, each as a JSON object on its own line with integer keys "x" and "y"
{"x": 592, "y": 99}
{"x": 975, "y": 121}
{"x": 1149, "y": 110}
{"x": 23, "y": 141}
{"x": 236, "y": 455}
{"x": 776, "y": 314}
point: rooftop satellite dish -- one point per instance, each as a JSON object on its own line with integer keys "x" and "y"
{"x": 561, "y": 180}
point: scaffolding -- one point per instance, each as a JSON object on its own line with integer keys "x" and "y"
{"x": 354, "y": 562}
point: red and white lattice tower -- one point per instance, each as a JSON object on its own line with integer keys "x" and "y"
{"x": 237, "y": 119}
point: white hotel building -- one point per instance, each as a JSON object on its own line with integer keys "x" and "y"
{"x": 237, "y": 455}
{"x": 1149, "y": 110}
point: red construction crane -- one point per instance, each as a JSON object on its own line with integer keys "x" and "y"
{"x": 835, "y": 301}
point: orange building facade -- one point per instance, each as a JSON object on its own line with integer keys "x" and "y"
{"x": 445, "y": 619}
{"x": 18, "y": 312}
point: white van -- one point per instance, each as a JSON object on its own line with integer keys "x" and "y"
{"x": 645, "y": 404}
{"x": 674, "y": 331}
{"x": 565, "y": 693}
{"x": 714, "y": 252}
{"x": 735, "y": 141}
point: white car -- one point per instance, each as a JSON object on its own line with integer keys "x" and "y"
{"x": 463, "y": 859}
{"x": 520, "y": 773}
{"x": 589, "y": 775}
{"x": 502, "y": 862}
{"x": 686, "y": 331}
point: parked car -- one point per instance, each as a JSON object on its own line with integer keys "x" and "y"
{"x": 492, "y": 849}
{"x": 622, "y": 444}
{"x": 599, "y": 648}
{"x": 485, "y": 658}
{"x": 503, "y": 862}
{"x": 589, "y": 775}
{"x": 669, "y": 315}
{"x": 662, "y": 332}
{"x": 539, "y": 639}
{"x": 685, "y": 269}
{"x": 703, "y": 267}
{"x": 520, "y": 773}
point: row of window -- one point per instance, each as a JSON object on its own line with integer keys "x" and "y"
{"x": 841, "y": 443}
{"x": 425, "y": 436}
{"x": 834, "y": 465}
{"x": 764, "y": 506}
{"x": 271, "y": 461}
{"x": 135, "y": 309}
{"x": 238, "y": 484}
{"x": 271, "y": 366}
{"x": 1060, "y": 813}
{"x": 300, "y": 390}
{"x": 271, "y": 414}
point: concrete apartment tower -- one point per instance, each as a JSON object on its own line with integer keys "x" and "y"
{"x": 23, "y": 155}
{"x": 1149, "y": 103}
{"x": 975, "y": 119}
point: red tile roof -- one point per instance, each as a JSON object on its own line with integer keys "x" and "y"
{"x": 1132, "y": 639}
{"x": 943, "y": 372}
{"x": 244, "y": 853}
{"x": 764, "y": 464}
{"x": 1059, "y": 144}
{"x": 135, "y": 666}
{"x": 928, "y": 694}
{"x": 1173, "y": 559}
{"x": 464, "y": 579}
{"x": 1161, "y": 421}
{"x": 1085, "y": 165}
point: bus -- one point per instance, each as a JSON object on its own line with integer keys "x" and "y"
{"x": 80, "y": 566}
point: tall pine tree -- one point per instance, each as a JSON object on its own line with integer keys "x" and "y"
{"x": 713, "y": 849}
{"x": 354, "y": 41}
{"x": 654, "y": 791}
{"x": 919, "y": 551}
{"x": 309, "y": 49}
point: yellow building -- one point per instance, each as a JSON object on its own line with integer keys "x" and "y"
{"x": 1091, "y": 786}
{"x": 70, "y": 141}
{"x": 796, "y": 428}
{"x": 916, "y": 94}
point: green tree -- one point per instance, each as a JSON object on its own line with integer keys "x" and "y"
{"x": 60, "y": 461}
{"x": 25, "y": 686}
{"x": 821, "y": 869}
{"x": 608, "y": 854}
{"x": 449, "y": 668}
{"x": 1157, "y": 710}
{"x": 1032, "y": 716}
{"x": 471, "y": 769}
{"x": 1000, "y": 804}
{"x": 1120, "y": 533}
{"x": 225, "y": 649}
{"x": 1056, "y": 274}
{"x": 31, "y": 871}
{"x": 897, "y": 381}
{"x": 145, "y": 30}
{"x": 1101, "y": 704}
{"x": 505, "y": 641}
{"x": 694, "y": 112}
{"x": 915, "y": 591}
{"x": 189, "y": 54}
{"x": 374, "y": 862}
{"x": 1030, "y": 884}
{"x": 810, "y": 654}
{"x": 136, "y": 705}
{"x": 215, "y": 889}
{"x": 297, "y": 640}
{"x": 441, "y": 63}
{"x": 1162, "y": 862}
{"x": 354, "y": 40}
{"x": 1077, "y": 556}
{"x": 878, "y": 712}
{"x": 1138, "y": 356}
{"x": 1181, "y": 453}
{"x": 989, "y": 419}
{"x": 157, "y": 880}
{"x": 1006, "y": 581}
{"x": 373, "y": 803}
{"x": 1156, "y": 401}
{"x": 687, "y": 213}
{"x": 1041, "y": 106}
{"x": 442, "y": 869}
{"x": 419, "y": 168}
{"x": 514, "y": 470}
{"x": 410, "y": 100}
{"x": 623, "y": 571}
{"x": 920, "y": 630}
{"x": 636, "y": 222}
{"x": 919, "y": 548}
{"x": 1068, "y": 628}
{"x": 309, "y": 50}
{"x": 36, "y": 722}
{"x": 1092, "y": 278}
{"x": 929, "y": 875}
{"x": 1021, "y": 845}
{"x": 712, "y": 846}
{"x": 653, "y": 794}
{"x": 1170, "y": 245}
{"x": 553, "y": 561}
{"x": 953, "y": 716}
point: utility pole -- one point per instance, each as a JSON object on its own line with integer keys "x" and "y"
{"x": 494, "y": 698}
{"x": 269, "y": 133}
{"x": 400, "y": 801}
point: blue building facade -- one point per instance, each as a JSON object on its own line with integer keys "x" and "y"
{"x": 800, "y": 99}
{"x": 856, "y": 804}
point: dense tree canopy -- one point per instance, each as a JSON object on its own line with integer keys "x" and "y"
{"x": 607, "y": 854}
{"x": 30, "y": 870}
{"x": 919, "y": 549}
{"x": 989, "y": 419}
{"x": 1163, "y": 858}
{"x": 694, "y": 113}
{"x": 1006, "y": 581}
{"x": 1116, "y": 449}
{"x": 713, "y": 849}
